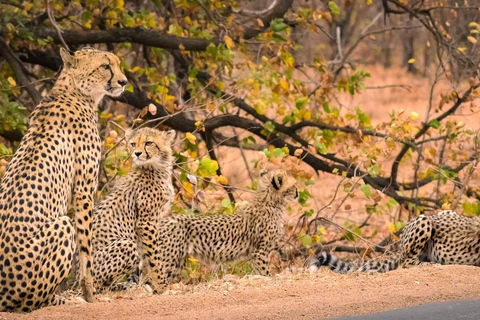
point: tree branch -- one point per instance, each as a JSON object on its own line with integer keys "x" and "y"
{"x": 15, "y": 64}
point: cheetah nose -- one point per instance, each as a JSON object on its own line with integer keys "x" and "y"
{"x": 138, "y": 154}
{"x": 123, "y": 83}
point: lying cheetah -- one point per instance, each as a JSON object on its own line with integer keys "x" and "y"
{"x": 444, "y": 238}
{"x": 253, "y": 232}
{"x": 56, "y": 163}
{"x": 126, "y": 222}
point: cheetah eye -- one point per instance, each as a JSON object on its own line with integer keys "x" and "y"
{"x": 106, "y": 67}
{"x": 280, "y": 180}
{"x": 148, "y": 143}
{"x": 132, "y": 144}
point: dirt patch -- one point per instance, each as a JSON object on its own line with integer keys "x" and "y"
{"x": 288, "y": 296}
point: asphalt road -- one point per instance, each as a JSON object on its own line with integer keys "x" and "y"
{"x": 449, "y": 310}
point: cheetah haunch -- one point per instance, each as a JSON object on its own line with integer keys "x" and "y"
{"x": 125, "y": 223}
{"x": 253, "y": 232}
{"x": 56, "y": 164}
{"x": 444, "y": 238}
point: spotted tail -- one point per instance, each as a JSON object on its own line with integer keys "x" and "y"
{"x": 326, "y": 259}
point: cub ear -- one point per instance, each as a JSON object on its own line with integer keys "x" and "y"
{"x": 128, "y": 134}
{"x": 68, "y": 59}
{"x": 263, "y": 172}
{"x": 170, "y": 135}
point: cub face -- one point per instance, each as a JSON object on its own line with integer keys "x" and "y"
{"x": 279, "y": 182}
{"x": 150, "y": 147}
{"x": 95, "y": 73}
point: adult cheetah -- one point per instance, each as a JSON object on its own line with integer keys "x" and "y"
{"x": 445, "y": 238}
{"x": 55, "y": 164}
{"x": 252, "y": 232}
{"x": 126, "y": 221}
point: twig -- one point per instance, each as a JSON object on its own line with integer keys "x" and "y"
{"x": 54, "y": 23}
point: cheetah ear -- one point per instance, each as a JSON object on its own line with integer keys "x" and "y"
{"x": 263, "y": 172}
{"x": 68, "y": 59}
{"x": 128, "y": 133}
{"x": 170, "y": 135}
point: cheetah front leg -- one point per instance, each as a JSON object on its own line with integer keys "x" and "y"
{"x": 113, "y": 261}
{"x": 85, "y": 186}
{"x": 414, "y": 239}
{"x": 261, "y": 261}
{"x": 147, "y": 241}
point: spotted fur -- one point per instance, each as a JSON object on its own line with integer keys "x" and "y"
{"x": 253, "y": 233}
{"x": 126, "y": 221}
{"x": 55, "y": 164}
{"x": 444, "y": 238}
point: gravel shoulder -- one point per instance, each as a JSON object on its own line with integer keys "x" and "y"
{"x": 288, "y": 296}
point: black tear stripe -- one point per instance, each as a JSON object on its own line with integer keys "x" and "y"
{"x": 146, "y": 152}
{"x": 109, "y": 83}
{"x": 274, "y": 184}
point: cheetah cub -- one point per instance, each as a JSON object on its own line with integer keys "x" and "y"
{"x": 253, "y": 232}
{"x": 126, "y": 221}
{"x": 445, "y": 238}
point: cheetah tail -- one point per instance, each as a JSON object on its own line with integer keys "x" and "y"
{"x": 324, "y": 258}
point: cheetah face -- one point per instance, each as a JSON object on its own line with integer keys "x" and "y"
{"x": 150, "y": 147}
{"x": 279, "y": 182}
{"x": 95, "y": 73}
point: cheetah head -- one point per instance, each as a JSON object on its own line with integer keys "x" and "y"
{"x": 279, "y": 184}
{"x": 150, "y": 147}
{"x": 95, "y": 73}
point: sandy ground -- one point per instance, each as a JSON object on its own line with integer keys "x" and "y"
{"x": 301, "y": 296}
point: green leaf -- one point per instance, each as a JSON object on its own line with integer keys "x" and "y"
{"x": 226, "y": 203}
{"x": 321, "y": 147}
{"x": 435, "y": 124}
{"x": 374, "y": 170}
{"x": 277, "y": 25}
{"x": 301, "y": 103}
{"x": 207, "y": 167}
{"x": 366, "y": 190}
{"x": 334, "y": 8}
{"x": 305, "y": 239}
{"x": 308, "y": 213}
{"x": 277, "y": 152}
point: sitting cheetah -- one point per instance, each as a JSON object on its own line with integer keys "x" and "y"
{"x": 56, "y": 163}
{"x": 444, "y": 238}
{"x": 253, "y": 232}
{"x": 126, "y": 221}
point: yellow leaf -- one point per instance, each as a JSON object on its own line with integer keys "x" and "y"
{"x": 414, "y": 115}
{"x": 321, "y": 230}
{"x": 229, "y": 20}
{"x": 193, "y": 260}
{"x": 11, "y": 81}
{"x": 307, "y": 115}
{"x": 135, "y": 69}
{"x": 222, "y": 180}
{"x": 229, "y": 42}
{"x": 472, "y": 39}
{"x": 190, "y": 137}
{"x": 411, "y": 60}
{"x": 391, "y": 227}
{"x": 260, "y": 23}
